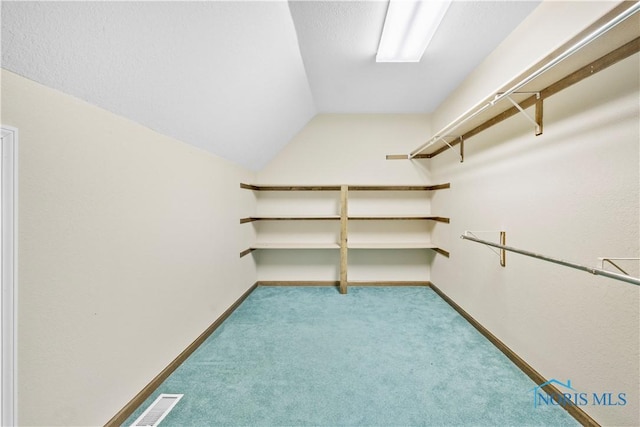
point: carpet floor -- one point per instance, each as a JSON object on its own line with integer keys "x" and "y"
{"x": 378, "y": 356}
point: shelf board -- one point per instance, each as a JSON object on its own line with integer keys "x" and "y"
{"x": 351, "y": 245}
{"x": 290, "y": 187}
{"x": 289, "y": 218}
{"x": 398, "y": 245}
{"x": 286, "y": 245}
{"x": 295, "y": 245}
{"x": 398, "y": 217}
{"x": 399, "y": 187}
{"x": 391, "y": 245}
{"x": 337, "y": 217}
{"x": 350, "y": 187}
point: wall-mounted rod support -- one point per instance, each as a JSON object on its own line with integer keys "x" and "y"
{"x": 539, "y": 114}
{"x": 611, "y": 259}
{"x": 442, "y": 138}
{"x": 536, "y": 125}
{"x": 592, "y": 270}
{"x": 503, "y": 252}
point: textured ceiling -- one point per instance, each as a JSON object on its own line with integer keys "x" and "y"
{"x": 223, "y": 76}
{"x": 338, "y": 42}
{"x": 240, "y": 79}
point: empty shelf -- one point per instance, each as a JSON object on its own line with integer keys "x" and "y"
{"x": 399, "y": 187}
{"x": 287, "y": 245}
{"x": 391, "y": 245}
{"x": 290, "y": 187}
{"x": 398, "y": 217}
{"x": 296, "y": 245}
{"x": 350, "y": 187}
{"x": 289, "y": 218}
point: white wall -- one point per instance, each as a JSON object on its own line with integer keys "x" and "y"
{"x": 124, "y": 234}
{"x": 572, "y": 193}
{"x": 347, "y": 149}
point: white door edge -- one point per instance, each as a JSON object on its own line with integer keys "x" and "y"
{"x": 8, "y": 297}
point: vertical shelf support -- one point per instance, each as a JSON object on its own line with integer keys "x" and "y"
{"x": 539, "y": 111}
{"x": 503, "y": 253}
{"x": 343, "y": 239}
{"x": 461, "y": 150}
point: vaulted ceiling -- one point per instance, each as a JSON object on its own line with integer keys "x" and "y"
{"x": 238, "y": 78}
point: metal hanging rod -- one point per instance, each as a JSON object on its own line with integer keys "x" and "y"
{"x": 470, "y": 113}
{"x": 592, "y": 270}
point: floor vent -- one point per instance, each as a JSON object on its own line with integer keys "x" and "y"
{"x": 159, "y": 409}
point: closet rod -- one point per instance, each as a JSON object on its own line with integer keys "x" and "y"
{"x": 546, "y": 67}
{"x": 592, "y": 270}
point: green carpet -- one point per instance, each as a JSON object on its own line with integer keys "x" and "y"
{"x": 379, "y": 356}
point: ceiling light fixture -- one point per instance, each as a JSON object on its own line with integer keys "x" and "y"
{"x": 409, "y": 28}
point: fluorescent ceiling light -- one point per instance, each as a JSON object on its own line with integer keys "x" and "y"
{"x": 408, "y": 29}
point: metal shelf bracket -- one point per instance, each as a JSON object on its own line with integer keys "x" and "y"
{"x": 537, "y": 122}
{"x": 442, "y": 138}
{"x": 610, "y": 260}
{"x": 502, "y": 253}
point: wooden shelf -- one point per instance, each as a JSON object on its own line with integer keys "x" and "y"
{"x": 398, "y": 218}
{"x": 397, "y": 245}
{"x": 337, "y": 217}
{"x": 290, "y": 218}
{"x": 390, "y": 245}
{"x": 349, "y": 187}
{"x": 295, "y": 245}
{"x": 350, "y": 245}
{"x": 289, "y": 245}
{"x": 290, "y": 187}
{"x": 344, "y": 245}
{"x": 399, "y": 187}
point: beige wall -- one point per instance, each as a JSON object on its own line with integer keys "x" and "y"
{"x": 128, "y": 250}
{"x": 350, "y": 149}
{"x": 572, "y": 193}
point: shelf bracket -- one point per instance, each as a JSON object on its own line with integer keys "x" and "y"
{"x": 539, "y": 112}
{"x": 611, "y": 259}
{"x": 246, "y": 252}
{"x": 502, "y": 253}
{"x": 442, "y": 138}
{"x": 537, "y": 124}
